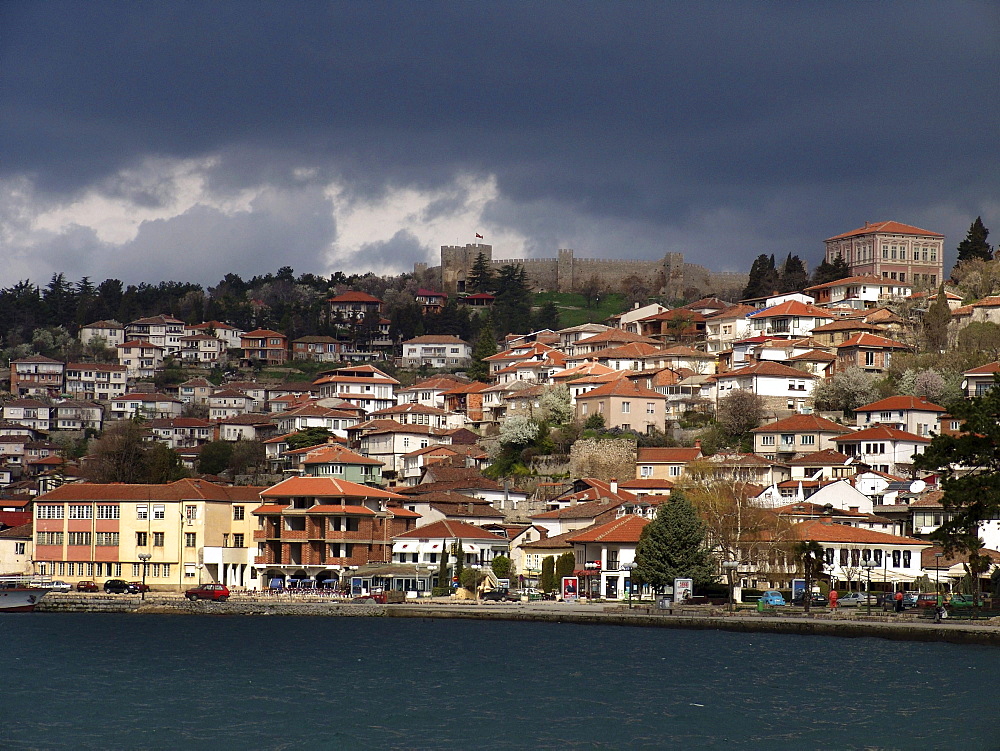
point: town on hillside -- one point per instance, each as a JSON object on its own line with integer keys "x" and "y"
{"x": 367, "y": 434}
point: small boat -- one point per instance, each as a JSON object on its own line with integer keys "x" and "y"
{"x": 20, "y": 594}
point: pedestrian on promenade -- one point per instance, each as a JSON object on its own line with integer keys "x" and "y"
{"x": 899, "y": 602}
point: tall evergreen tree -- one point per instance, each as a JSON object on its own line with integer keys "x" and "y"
{"x": 831, "y": 272}
{"x": 547, "y": 580}
{"x": 673, "y": 546}
{"x": 974, "y": 245}
{"x": 794, "y": 277}
{"x": 486, "y": 345}
{"x": 512, "y": 308}
{"x": 481, "y": 277}
{"x": 935, "y": 323}
{"x": 764, "y": 278}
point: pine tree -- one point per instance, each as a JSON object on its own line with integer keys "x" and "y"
{"x": 935, "y": 323}
{"x": 512, "y": 308}
{"x": 486, "y": 345}
{"x": 481, "y": 278}
{"x": 764, "y": 279}
{"x": 673, "y": 546}
{"x": 794, "y": 276}
{"x": 974, "y": 245}
{"x": 831, "y": 272}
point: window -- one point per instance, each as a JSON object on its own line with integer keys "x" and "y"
{"x": 675, "y": 471}
{"x": 166, "y": 570}
{"x": 238, "y": 513}
{"x": 895, "y": 558}
{"x": 906, "y": 558}
{"x": 108, "y": 512}
{"x": 190, "y": 540}
{"x": 829, "y": 556}
{"x": 869, "y": 359}
{"x": 843, "y": 556}
{"x": 808, "y": 440}
{"x": 136, "y": 569}
{"x": 767, "y": 440}
{"x": 156, "y": 571}
{"x": 79, "y": 538}
{"x": 51, "y": 512}
{"x": 626, "y": 407}
{"x": 650, "y": 408}
{"x": 157, "y": 539}
{"x": 19, "y": 548}
{"x": 878, "y": 557}
{"x": 238, "y": 541}
{"x": 787, "y": 439}
{"x": 81, "y": 512}
{"x": 141, "y": 539}
{"x": 106, "y": 539}
{"x": 159, "y": 512}
{"x": 142, "y": 512}
{"x": 645, "y": 471}
{"x": 49, "y": 538}
{"x": 190, "y": 513}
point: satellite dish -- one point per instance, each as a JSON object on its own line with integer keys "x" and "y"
{"x": 918, "y": 486}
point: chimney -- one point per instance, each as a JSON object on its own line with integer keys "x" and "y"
{"x": 614, "y": 485}
{"x": 697, "y": 443}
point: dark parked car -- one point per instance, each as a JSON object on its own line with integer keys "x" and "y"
{"x": 87, "y": 587}
{"x": 817, "y": 600}
{"x": 496, "y": 595}
{"x": 214, "y": 592}
{"x": 117, "y": 587}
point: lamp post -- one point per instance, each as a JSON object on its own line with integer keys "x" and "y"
{"x": 937, "y": 577}
{"x": 730, "y": 568}
{"x": 144, "y": 557}
{"x": 868, "y": 566}
{"x": 591, "y": 566}
{"x": 627, "y": 567}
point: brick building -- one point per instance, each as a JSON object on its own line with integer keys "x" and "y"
{"x": 891, "y": 250}
{"x": 314, "y": 527}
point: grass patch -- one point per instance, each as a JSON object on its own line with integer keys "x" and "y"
{"x": 573, "y": 309}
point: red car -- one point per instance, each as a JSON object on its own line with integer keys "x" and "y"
{"x": 87, "y": 587}
{"x": 214, "y": 592}
{"x": 138, "y": 587}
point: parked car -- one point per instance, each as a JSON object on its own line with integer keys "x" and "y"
{"x": 816, "y": 600}
{"x": 214, "y": 592}
{"x": 961, "y": 602}
{"x": 60, "y": 586}
{"x": 854, "y": 599}
{"x": 772, "y": 598}
{"x": 929, "y": 599}
{"x": 87, "y": 587}
{"x": 117, "y": 587}
{"x": 138, "y": 587}
{"x": 497, "y": 595}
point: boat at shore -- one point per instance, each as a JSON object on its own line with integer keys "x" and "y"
{"x": 20, "y": 594}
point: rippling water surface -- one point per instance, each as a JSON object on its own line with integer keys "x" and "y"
{"x": 176, "y": 682}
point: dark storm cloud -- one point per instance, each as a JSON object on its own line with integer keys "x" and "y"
{"x": 780, "y": 122}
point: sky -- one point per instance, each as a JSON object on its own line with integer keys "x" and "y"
{"x": 187, "y": 140}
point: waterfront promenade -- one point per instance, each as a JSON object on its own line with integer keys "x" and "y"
{"x": 909, "y": 626}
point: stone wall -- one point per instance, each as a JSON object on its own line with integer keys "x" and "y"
{"x": 604, "y": 459}
{"x": 669, "y": 275}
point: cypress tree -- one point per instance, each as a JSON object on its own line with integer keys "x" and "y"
{"x": 486, "y": 345}
{"x": 565, "y": 564}
{"x": 547, "y": 580}
{"x": 935, "y": 323}
{"x": 443, "y": 569}
{"x": 673, "y": 546}
{"x": 974, "y": 245}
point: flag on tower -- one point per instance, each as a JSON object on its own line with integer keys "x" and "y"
{"x": 478, "y": 236}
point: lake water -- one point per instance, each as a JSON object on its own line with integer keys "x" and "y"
{"x": 98, "y": 681}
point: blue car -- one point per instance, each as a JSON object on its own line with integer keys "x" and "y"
{"x": 772, "y": 598}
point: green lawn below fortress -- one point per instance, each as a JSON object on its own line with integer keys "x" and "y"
{"x": 573, "y": 308}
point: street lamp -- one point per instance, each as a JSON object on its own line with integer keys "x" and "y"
{"x": 591, "y": 566}
{"x": 627, "y": 567}
{"x": 937, "y": 577}
{"x": 868, "y": 566}
{"x": 144, "y": 557}
{"x": 730, "y": 568}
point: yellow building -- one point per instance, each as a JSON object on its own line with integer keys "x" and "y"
{"x": 193, "y": 531}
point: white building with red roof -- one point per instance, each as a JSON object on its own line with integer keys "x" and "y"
{"x": 425, "y": 545}
{"x": 914, "y": 414}
{"x": 977, "y": 381}
{"x": 791, "y": 319}
{"x": 140, "y": 358}
{"x": 604, "y": 553}
{"x": 871, "y": 353}
{"x": 164, "y": 331}
{"x": 781, "y": 386}
{"x": 364, "y": 386}
{"x": 624, "y": 404}
{"x": 665, "y": 463}
{"x": 796, "y": 435}
{"x": 883, "y": 448}
{"x": 861, "y": 292}
{"x": 353, "y": 305}
{"x": 891, "y": 250}
{"x": 144, "y": 404}
{"x": 94, "y": 380}
{"x": 437, "y": 351}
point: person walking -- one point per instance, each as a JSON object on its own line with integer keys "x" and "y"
{"x": 899, "y": 602}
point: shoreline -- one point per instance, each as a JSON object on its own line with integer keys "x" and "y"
{"x": 984, "y": 633}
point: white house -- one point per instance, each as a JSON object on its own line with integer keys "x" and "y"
{"x": 436, "y": 350}
{"x": 912, "y": 414}
{"x": 882, "y": 448}
{"x": 110, "y": 333}
{"x": 791, "y": 319}
{"x": 163, "y": 331}
{"x": 425, "y": 545}
{"x": 140, "y": 358}
{"x": 780, "y": 386}
{"x": 145, "y": 405}
{"x": 364, "y": 386}
{"x": 94, "y": 380}
{"x": 605, "y": 553}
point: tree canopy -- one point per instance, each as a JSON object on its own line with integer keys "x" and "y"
{"x": 673, "y": 546}
{"x": 974, "y": 245}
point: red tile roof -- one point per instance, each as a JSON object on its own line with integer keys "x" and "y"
{"x": 624, "y": 530}
{"x": 622, "y": 387}
{"x": 182, "y": 490}
{"x": 890, "y": 228}
{"x": 332, "y": 453}
{"x": 799, "y": 423}
{"x": 881, "y": 432}
{"x": 823, "y": 531}
{"x": 353, "y": 296}
{"x": 324, "y": 487}
{"x": 865, "y": 339}
{"x": 766, "y": 369}
{"x": 450, "y": 529}
{"x": 901, "y": 402}
{"x": 791, "y": 308}
{"x": 671, "y": 455}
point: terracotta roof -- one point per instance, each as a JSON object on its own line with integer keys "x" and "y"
{"x": 334, "y": 508}
{"x": 138, "y": 343}
{"x": 622, "y": 387}
{"x": 798, "y": 423}
{"x": 862, "y": 279}
{"x": 766, "y": 369}
{"x": 881, "y": 432}
{"x": 354, "y": 296}
{"x": 270, "y": 508}
{"x": 435, "y": 339}
{"x": 865, "y": 339}
{"x": 449, "y": 529}
{"x": 187, "y": 489}
{"x": 553, "y": 542}
{"x": 262, "y": 334}
{"x": 889, "y": 228}
{"x": 97, "y": 366}
{"x": 825, "y": 457}
{"x": 634, "y": 350}
{"x": 334, "y": 453}
{"x": 813, "y": 355}
{"x": 822, "y": 531}
{"x": 624, "y": 530}
{"x": 987, "y": 369}
{"x": 588, "y": 510}
{"x": 614, "y": 335}
{"x": 791, "y": 308}
{"x": 928, "y": 559}
{"x": 901, "y": 402}
{"x": 324, "y": 487}
{"x": 646, "y": 484}
{"x": 142, "y": 396}
{"x": 652, "y": 455}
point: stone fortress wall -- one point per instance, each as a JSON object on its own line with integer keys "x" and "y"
{"x": 670, "y": 275}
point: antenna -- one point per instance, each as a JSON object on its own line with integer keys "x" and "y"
{"x": 918, "y": 486}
